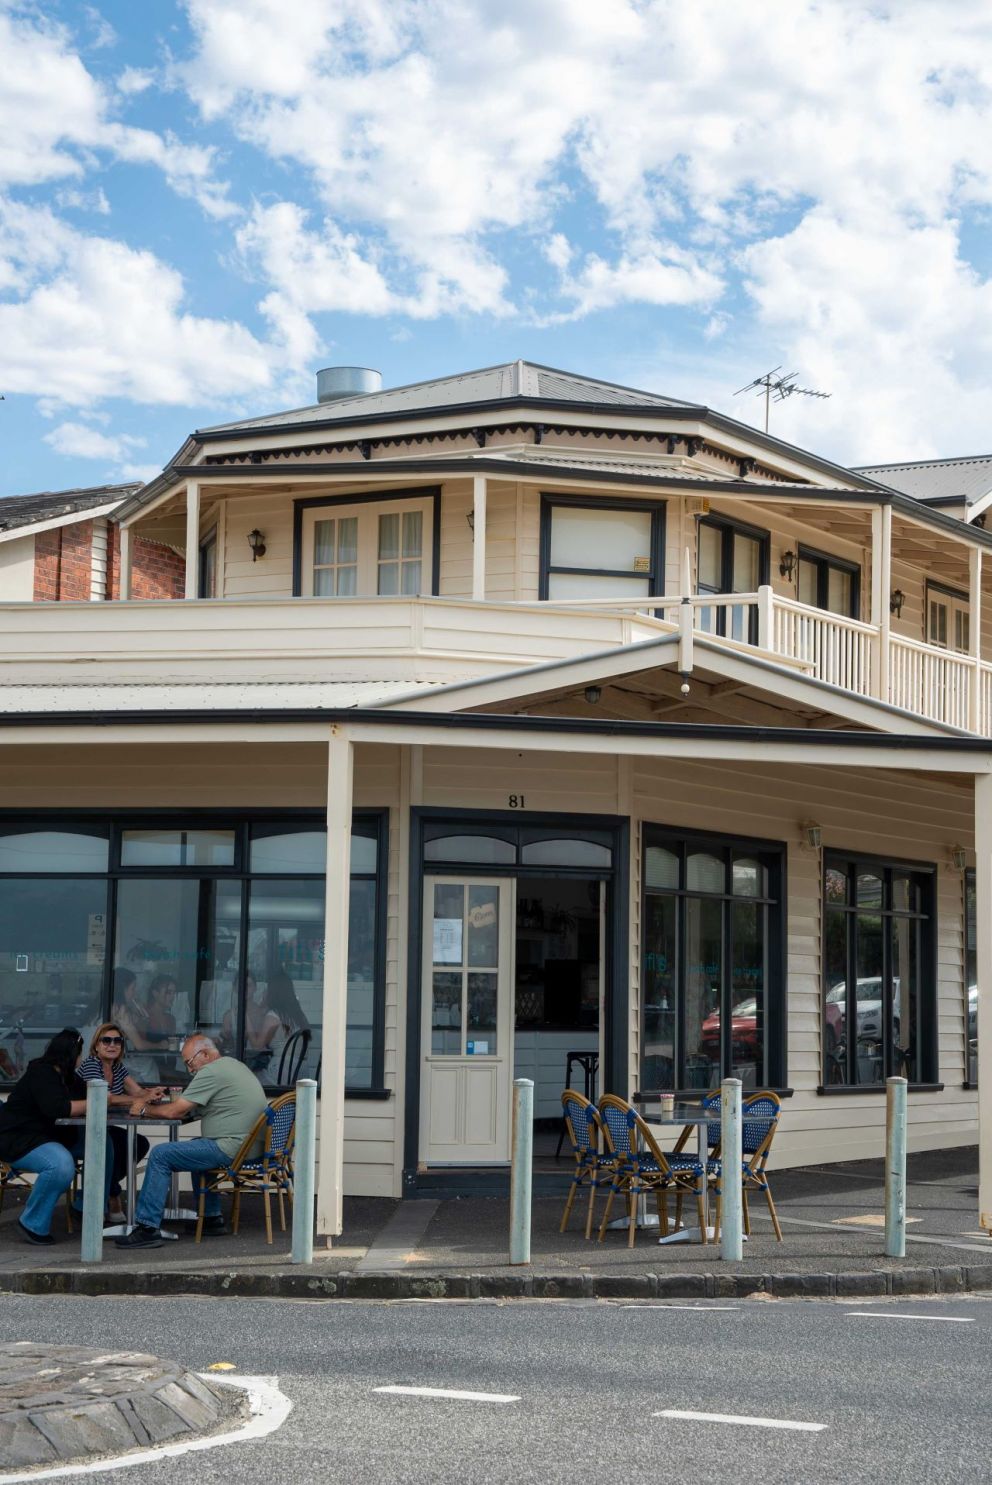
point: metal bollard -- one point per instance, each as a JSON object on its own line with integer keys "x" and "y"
{"x": 731, "y": 1162}
{"x": 304, "y": 1170}
{"x": 94, "y": 1170}
{"x": 521, "y": 1169}
{"x": 895, "y": 1167}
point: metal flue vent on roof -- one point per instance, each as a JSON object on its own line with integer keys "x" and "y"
{"x": 335, "y": 383}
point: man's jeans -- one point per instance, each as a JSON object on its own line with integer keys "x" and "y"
{"x": 191, "y": 1155}
{"x": 54, "y": 1167}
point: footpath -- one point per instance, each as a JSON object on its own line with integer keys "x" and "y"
{"x": 831, "y": 1218}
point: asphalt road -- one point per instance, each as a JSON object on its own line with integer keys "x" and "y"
{"x": 902, "y": 1399}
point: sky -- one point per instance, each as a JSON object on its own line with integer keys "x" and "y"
{"x": 203, "y": 201}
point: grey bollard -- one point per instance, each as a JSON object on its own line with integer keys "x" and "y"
{"x": 94, "y": 1170}
{"x": 304, "y": 1170}
{"x": 521, "y": 1169}
{"x": 731, "y": 1162}
{"x": 895, "y": 1167}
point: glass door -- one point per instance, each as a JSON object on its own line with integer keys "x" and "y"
{"x": 467, "y": 1046}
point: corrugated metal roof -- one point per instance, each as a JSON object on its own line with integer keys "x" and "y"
{"x": 48, "y": 505}
{"x": 937, "y": 479}
{"x": 657, "y": 466}
{"x": 511, "y": 381}
{"x": 113, "y": 696}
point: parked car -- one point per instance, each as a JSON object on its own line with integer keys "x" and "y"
{"x": 743, "y": 1028}
{"x": 868, "y": 993}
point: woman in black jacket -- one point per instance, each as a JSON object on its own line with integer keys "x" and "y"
{"x": 30, "y": 1139}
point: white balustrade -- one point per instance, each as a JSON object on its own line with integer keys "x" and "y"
{"x": 931, "y": 682}
{"x": 836, "y": 649}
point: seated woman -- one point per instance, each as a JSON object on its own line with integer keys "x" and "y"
{"x": 132, "y": 1015}
{"x": 161, "y": 1025}
{"x": 106, "y": 1061}
{"x": 271, "y": 1017}
{"x": 30, "y": 1138}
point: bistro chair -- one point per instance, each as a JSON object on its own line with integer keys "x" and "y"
{"x": 585, "y": 1131}
{"x": 759, "y": 1121}
{"x": 641, "y": 1167}
{"x": 294, "y": 1054}
{"x": 267, "y": 1174}
{"x": 589, "y": 1064}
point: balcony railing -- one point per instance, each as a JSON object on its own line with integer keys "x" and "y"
{"x": 942, "y": 685}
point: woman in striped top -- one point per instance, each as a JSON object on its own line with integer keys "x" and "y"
{"x": 106, "y": 1061}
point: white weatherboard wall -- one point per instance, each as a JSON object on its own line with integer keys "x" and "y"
{"x": 17, "y": 570}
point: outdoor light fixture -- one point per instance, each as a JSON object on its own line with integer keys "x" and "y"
{"x": 787, "y": 565}
{"x": 257, "y": 543}
{"x": 896, "y": 602}
{"x": 958, "y": 857}
{"x": 812, "y": 834}
{"x": 593, "y": 693}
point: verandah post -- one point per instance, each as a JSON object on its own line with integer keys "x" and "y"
{"x": 330, "y": 1166}
{"x": 192, "y": 539}
{"x": 983, "y": 964}
{"x": 94, "y": 1170}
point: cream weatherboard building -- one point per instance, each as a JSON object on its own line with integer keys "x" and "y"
{"x": 509, "y": 716}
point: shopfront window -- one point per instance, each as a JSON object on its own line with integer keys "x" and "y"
{"x": 712, "y": 974}
{"x": 879, "y": 977}
{"x": 218, "y": 929}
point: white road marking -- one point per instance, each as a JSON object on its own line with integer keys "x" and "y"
{"x": 457, "y": 1396}
{"x": 894, "y": 1315}
{"x": 743, "y": 1419}
{"x": 268, "y": 1407}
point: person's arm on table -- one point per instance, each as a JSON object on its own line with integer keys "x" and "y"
{"x": 176, "y": 1108}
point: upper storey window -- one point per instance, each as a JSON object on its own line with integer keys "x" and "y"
{"x": 828, "y": 583}
{"x": 733, "y": 558}
{"x": 601, "y": 549}
{"x": 366, "y": 549}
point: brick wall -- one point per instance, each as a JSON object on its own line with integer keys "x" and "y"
{"x": 156, "y": 570}
{"x": 63, "y": 558}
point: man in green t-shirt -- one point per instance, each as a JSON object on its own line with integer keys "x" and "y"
{"x": 229, "y": 1100}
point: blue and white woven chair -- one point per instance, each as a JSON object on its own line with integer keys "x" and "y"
{"x": 593, "y": 1167}
{"x": 759, "y": 1121}
{"x": 680, "y": 1159}
{"x": 641, "y": 1167}
{"x": 268, "y": 1174}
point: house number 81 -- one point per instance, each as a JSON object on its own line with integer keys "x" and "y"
{"x": 516, "y": 802}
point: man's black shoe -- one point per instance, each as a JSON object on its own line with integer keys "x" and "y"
{"x": 44, "y": 1238}
{"x": 214, "y": 1227}
{"x": 140, "y": 1236}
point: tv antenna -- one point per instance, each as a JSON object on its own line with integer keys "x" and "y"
{"x": 781, "y": 385}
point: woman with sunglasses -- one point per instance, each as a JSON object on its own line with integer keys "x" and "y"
{"x": 31, "y": 1139}
{"x": 106, "y": 1061}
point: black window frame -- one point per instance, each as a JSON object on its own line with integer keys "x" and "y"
{"x": 947, "y": 591}
{"x": 824, "y": 561}
{"x": 729, "y": 527}
{"x": 208, "y": 544}
{"x": 370, "y": 497}
{"x": 853, "y": 863}
{"x": 773, "y": 856}
{"x": 655, "y": 508}
{"x": 371, "y": 822}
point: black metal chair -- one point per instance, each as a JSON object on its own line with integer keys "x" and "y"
{"x": 589, "y": 1063}
{"x": 294, "y": 1054}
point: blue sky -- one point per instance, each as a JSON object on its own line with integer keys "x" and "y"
{"x": 202, "y": 201}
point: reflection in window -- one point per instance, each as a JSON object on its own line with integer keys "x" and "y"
{"x": 576, "y": 853}
{"x": 53, "y": 945}
{"x": 54, "y": 850}
{"x": 486, "y": 850}
{"x": 177, "y": 848}
{"x": 705, "y": 1005}
{"x": 878, "y": 987}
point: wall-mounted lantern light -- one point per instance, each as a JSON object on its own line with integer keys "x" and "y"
{"x": 959, "y": 857}
{"x": 812, "y": 835}
{"x": 787, "y": 565}
{"x": 257, "y": 543}
{"x": 896, "y": 602}
{"x": 593, "y": 693}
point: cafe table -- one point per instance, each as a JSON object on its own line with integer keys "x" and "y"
{"x": 132, "y": 1123}
{"x": 681, "y": 1114}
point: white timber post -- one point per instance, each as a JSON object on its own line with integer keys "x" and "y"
{"x": 193, "y": 539}
{"x": 479, "y": 533}
{"x": 983, "y": 958}
{"x": 881, "y": 588}
{"x": 330, "y": 1165}
{"x": 975, "y": 720}
{"x": 124, "y": 559}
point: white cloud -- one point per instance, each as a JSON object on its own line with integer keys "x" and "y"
{"x": 652, "y": 273}
{"x": 70, "y": 197}
{"x": 134, "y": 80}
{"x": 97, "y": 318}
{"x": 83, "y": 442}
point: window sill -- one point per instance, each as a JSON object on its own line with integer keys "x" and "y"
{"x": 651, "y": 1095}
{"x": 378, "y": 1095}
{"x": 973, "y": 1087}
{"x": 841, "y": 1090}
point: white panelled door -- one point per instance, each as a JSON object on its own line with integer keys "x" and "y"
{"x": 467, "y": 1028}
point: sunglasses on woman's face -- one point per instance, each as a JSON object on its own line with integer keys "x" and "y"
{"x": 111, "y": 1041}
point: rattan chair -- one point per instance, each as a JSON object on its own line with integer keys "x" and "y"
{"x": 759, "y": 1121}
{"x": 268, "y": 1174}
{"x": 593, "y": 1166}
{"x": 640, "y": 1167}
